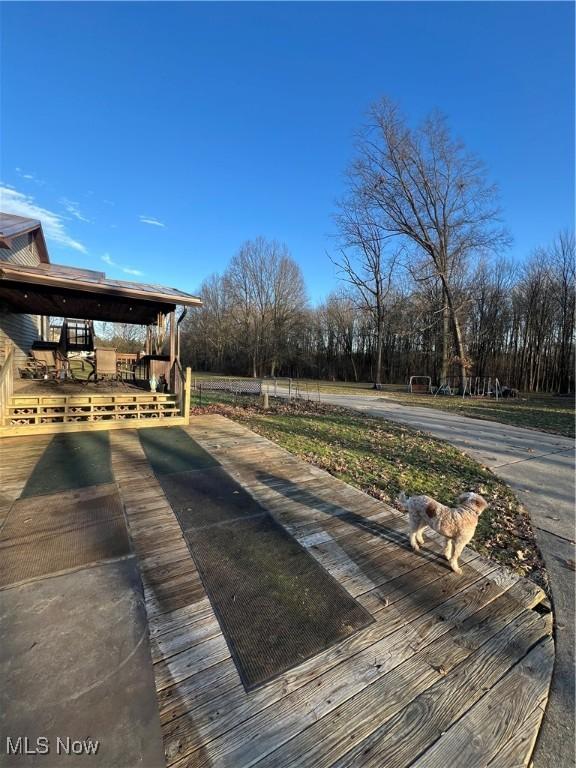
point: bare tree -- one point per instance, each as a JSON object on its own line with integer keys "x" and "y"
{"x": 243, "y": 284}
{"x": 563, "y": 253}
{"x": 342, "y": 316}
{"x": 267, "y": 292}
{"x": 288, "y": 299}
{"x": 489, "y": 314}
{"x": 209, "y": 329}
{"x": 422, "y": 186}
{"x": 365, "y": 264}
{"x": 126, "y": 337}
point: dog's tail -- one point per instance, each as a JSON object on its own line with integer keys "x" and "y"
{"x": 402, "y": 501}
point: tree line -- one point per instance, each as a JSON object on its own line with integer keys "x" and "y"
{"x": 517, "y": 323}
{"x": 425, "y": 290}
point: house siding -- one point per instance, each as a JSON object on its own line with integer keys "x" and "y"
{"x": 21, "y": 330}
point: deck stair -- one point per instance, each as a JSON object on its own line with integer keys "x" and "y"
{"x": 37, "y": 412}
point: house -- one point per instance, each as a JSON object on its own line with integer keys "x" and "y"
{"x": 38, "y": 391}
{"x": 21, "y": 242}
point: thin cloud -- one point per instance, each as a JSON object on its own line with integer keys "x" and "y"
{"x": 20, "y": 204}
{"x": 127, "y": 270}
{"x": 29, "y": 176}
{"x": 73, "y": 209}
{"x": 151, "y": 220}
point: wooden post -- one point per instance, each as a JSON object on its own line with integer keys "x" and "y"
{"x": 173, "y": 372}
{"x": 172, "y": 337}
{"x": 187, "y": 393}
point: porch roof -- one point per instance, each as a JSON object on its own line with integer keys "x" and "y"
{"x": 62, "y": 291}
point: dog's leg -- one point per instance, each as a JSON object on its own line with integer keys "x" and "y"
{"x": 420, "y": 534}
{"x": 458, "y": 545}
{"x": 414, "y": 526}
{"x": 448, "y": 549}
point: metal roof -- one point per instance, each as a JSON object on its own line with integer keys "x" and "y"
{"x": 58, "y": 275}
{"x": 12, "y": 226}
{"x": 53, "y": 289}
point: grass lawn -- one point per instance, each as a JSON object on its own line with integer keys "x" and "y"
{"x": 383, "y": 458}
{"x": 548, "y": 413}
{"x": 310, "y": 387}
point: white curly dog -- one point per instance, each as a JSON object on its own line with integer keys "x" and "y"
{"x": 456, "y": 524}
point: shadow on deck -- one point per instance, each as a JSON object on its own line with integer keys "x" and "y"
{"x": 453, "y": 669}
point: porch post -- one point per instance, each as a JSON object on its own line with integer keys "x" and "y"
{"x": 172, "y": 338}
{"x": 173, "y": 372}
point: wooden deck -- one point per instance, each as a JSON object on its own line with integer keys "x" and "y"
{"x": 17, "y": 460}
{"x": 454, "y": 670}
{"x": 51, "y": 387}
{"x": 447, "y": 658}
{"x": 49, "y": 407}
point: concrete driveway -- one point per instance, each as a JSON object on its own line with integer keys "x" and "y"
{"x": 540, "y": 468}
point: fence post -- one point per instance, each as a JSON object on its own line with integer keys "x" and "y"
{"x": 187, "y": 393}
{"x": 289, "y": 390}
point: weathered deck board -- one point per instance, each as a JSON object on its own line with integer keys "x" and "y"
{"x": 423, "y": 614}
{"x": 17, "y": 460}
{"x": 362, "y": 714}
{"x": 489, "y": 726}
{"x": 392, "y": 635}
{"x": 170, "y": 578}
{"x": 503, "y": 603}
{"x": 520, "y": 746}
{"x": 277, "y": 715}
{"x": 430, "y": 714}
{"x": 460, "y": 655}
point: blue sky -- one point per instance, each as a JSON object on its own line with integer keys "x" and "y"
{"x": 157, "y": 137}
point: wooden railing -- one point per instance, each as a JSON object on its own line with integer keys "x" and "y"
{"x": 6, "y": 383}
{"x": 126, "y": 364}
{"x": 182, "y": 385}
{"x": 126, "y": 359}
